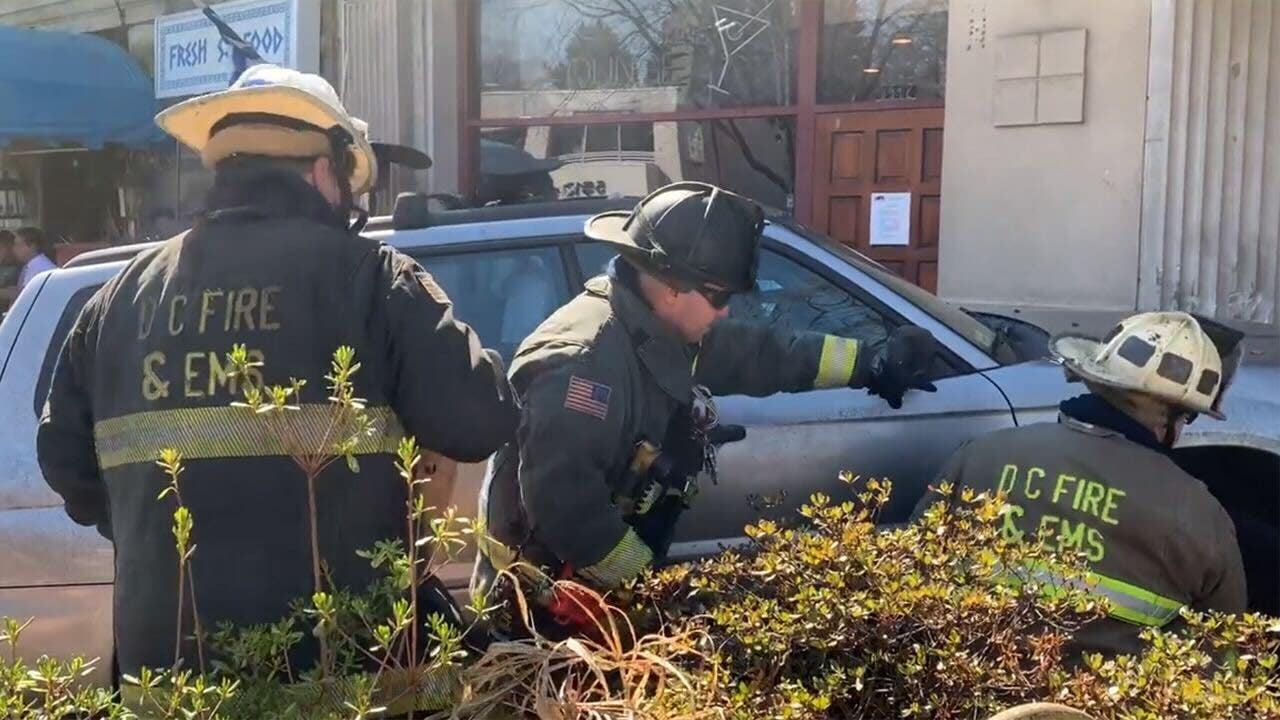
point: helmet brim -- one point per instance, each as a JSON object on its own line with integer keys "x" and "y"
{"x": 610, "y": 227}
{"x": 191, "y": 121}
{"x": 1076, "y": 353}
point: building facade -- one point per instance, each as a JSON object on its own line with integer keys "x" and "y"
{"x": 1118, "y": 155}
{"x": 180, "y": 51}
{"x": 1113, "y": 155}
{"x": 91, "y": 195}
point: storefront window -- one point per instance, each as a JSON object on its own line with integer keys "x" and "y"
{"x": 755, "y": 157}
{"x": 611, "y": 139}
{"x": 540, "y": 58}
{"x": 883, "y": 50}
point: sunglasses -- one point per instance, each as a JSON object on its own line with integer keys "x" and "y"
{"x": 719, "y": 298}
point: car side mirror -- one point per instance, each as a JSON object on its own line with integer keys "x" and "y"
{"x": 1026, "y": 340}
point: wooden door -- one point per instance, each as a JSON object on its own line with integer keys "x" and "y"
{"x": 895, "y": 151}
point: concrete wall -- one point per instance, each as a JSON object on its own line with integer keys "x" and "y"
{"x": 398, "y": 71}
{"x": 1044, "y": 214}
{"x": 1211, "y": 217}
{"x": 439, "y": 94}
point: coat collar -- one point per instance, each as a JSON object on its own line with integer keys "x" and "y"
{"x": 667, "y": 359}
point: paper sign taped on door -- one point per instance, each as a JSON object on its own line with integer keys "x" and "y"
{"x": 891, "y": 219}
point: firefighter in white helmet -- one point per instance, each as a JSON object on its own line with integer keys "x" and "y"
{"x": 1101, "y": 481}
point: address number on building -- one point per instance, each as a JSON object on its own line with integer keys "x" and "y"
{"x": 584, "y": 189}
{"x": 897, "y": 92}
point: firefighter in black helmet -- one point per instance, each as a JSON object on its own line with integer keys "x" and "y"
{"x": 616, "y": 389}
{"x": 273, "y": 264}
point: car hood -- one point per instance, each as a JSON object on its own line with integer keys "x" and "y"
{"x": 1262, "y": 340}
{"x": 1252, "y": 405}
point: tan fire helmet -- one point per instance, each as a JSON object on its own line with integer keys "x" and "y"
{"x": 1163, "y": 355}
{"x": 275, "y": 111}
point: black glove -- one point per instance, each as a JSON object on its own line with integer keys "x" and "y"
{"x": 903, "y": 364}
{"x": 725, "y": 434}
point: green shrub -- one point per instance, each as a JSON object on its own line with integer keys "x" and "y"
{"x": 840, "y": 620}
{"x": 825, "y": 618}
{"x": 48, "y": 688}
{"x": 837, "y": 619}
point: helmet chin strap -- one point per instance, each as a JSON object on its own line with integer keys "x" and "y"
{"x": 359, "y": 221}
{"x": 350, "y": 215}
{"x": 345, "y": 213}
{"x": 1170, "y": 430}
{"x": 340, "y": 157}
{"x": 1176, "y": 415}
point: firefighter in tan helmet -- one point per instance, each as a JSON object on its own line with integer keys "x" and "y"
{"x": 1102, "y": 481}
{"x": 273, "y": 264}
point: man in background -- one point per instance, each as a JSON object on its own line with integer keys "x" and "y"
{"x": 29, "y": 252}
{"x": 10, "y": 268}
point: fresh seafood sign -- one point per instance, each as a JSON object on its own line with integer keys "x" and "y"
{"x": 192, "y": 58}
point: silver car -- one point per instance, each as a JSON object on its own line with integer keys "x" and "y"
{"x": 507, "y": 268}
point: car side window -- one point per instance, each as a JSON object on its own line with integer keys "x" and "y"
{"x": 502, "y": 294}
{"x": 792, "y": 296}
{"x": 788, "y": 295}
{"x": 65, "y": 322}
{"x": 593, "y": 258}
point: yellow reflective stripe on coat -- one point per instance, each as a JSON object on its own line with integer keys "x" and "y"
{"x": 233, "y": 432}
{"x": 626, "y": 560}
{"x": 1128, "y": 602}
{"x": 836, "y": 366}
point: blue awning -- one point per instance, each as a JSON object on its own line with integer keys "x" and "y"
{"x": 59, "y": 88}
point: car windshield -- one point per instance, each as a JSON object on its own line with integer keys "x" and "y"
{"x": 946, "y": 313}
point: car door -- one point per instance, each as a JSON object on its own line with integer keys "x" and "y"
{"x": 798, "y": 444}
{"x": 51, "y": 569}
{"x": 503, "y": 292}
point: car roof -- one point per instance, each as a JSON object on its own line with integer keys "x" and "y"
{"x": 419, "y": 228}
{"x": 413, "y": 213}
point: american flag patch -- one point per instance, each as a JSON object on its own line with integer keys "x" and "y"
{"x": 587, "y": 397}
